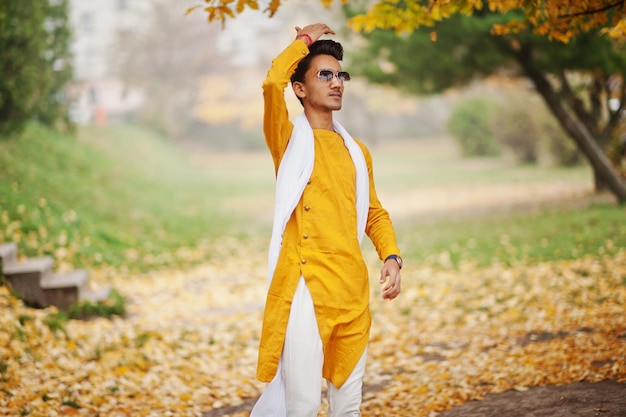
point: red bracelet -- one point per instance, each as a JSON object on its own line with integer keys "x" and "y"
{"x": 309, "y": 41}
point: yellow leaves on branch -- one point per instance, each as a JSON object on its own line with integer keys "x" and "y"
{"x": 556, "y": 19}
{"x": 221, "y": 9}
{"x": 617, "y": 31}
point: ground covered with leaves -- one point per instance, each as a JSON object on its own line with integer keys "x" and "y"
{"x": 188, "y": 345}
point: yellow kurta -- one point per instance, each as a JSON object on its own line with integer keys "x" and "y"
{"x": 320, "y": 240}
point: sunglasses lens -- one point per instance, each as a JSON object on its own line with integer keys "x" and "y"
{"x": 328, "y": 75}
{"x": 325, "y": 75}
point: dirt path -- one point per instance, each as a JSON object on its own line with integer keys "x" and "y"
{"x": 488, "y": 200}
{"x": 606, "y": 398}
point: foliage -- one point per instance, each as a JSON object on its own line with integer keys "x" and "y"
{"x": 522, "y": 125}
{"x": 115, "y": 196}
{"x": 471, "y": 125}
{"x": 555, "y": 19}
{"x": 113, "y": 305}
{"x": 574, "y": 79}
{"x": 452, "y": 336}
{"x": 417, "y": 65}
{"x": 464, "y": 51}
{"x": 517, "y": 130}
{"x": 34, "y": 64}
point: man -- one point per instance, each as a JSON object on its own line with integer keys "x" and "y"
{"x": 317, "y": 317}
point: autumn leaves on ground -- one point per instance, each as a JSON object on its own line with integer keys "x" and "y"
{"x": 462, "y": 327}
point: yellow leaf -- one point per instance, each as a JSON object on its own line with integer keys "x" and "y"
{"x": 240, "y": 6}
{"x": 66, "y": 410}
{"x": 226, "y": 10}
{"x": 435, "y": 13}
{"x": 253, "y": 4}
{"x": 191, "y": 9}
{"x": 121, "y": 370}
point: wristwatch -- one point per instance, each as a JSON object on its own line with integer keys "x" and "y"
{"x": 397, "y": 259}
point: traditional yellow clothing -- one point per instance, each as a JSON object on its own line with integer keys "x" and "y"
{"x": 320, "y": 240}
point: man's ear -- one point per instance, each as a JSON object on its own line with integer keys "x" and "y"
{"x": 298, "y": 89}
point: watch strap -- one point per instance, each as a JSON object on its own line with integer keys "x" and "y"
{"x": 397, "y": 258}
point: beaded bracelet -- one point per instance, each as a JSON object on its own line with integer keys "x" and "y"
{"x": 308, "y": 42}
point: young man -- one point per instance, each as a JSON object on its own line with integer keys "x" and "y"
{"x": 317, "y": 317}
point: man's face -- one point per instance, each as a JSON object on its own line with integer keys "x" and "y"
{"x": 322, "y": 95}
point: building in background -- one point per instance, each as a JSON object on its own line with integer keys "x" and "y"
{"x": 98, "y": 94}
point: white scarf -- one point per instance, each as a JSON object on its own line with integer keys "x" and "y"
{"x": 293, "y": 174}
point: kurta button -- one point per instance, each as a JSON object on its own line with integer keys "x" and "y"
{"x": 303, "y": 261}
{"x": 305, "y": 236}
{"x": 307, "y": 208}
{"x": 308, "y": 182}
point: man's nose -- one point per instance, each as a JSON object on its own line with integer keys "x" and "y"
{"x": 334, "y": 82}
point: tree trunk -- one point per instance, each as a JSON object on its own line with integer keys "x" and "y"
{"x": 603, "y": 170}
{"x": 598, "y": 180}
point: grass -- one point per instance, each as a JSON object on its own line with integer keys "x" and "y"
{"x": 125, "y": 197}
{"x": 519, "y": 238}
{"x": 115, "y": 196}
{"x": 437, "y": 163}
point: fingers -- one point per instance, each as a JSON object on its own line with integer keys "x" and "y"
{"x": 392, "y": 288}
{"x": 315, "y": 31}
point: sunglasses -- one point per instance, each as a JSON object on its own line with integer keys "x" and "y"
{"x": 328, "y": 75}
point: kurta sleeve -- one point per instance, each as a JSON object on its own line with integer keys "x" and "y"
{"x": 276, "y": 125}
{"x": 379, "y": 227}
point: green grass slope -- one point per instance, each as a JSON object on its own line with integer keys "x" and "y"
{"x": 115, "y": 196}
{"x": 519, "y": 239}
{"x": 125, "y": 197}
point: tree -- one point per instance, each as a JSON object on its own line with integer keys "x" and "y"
{"x": 34, "y": 63}
{"x": 556, "y": 19}
{"x": 575, "y": 79}
{"x": 559, "y": 20}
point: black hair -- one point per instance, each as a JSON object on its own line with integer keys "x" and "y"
{"x": 320, "y": 47}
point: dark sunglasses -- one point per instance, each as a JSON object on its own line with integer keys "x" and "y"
{"x": 328, "y": 75}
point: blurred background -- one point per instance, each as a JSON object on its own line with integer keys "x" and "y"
{"x": 145, "y": 61}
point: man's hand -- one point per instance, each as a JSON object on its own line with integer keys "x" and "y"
{"x": 314, "y": 31}
{"x": 390, "y": 274}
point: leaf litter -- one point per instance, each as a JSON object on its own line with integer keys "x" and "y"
{"x": 189, "y": 341}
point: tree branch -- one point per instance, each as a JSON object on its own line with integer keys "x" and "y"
{"x": 593, "y": 11}
{"x": 576, "y": 104}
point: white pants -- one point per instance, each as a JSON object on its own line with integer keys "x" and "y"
{"x": 296, "y": 389}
